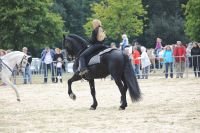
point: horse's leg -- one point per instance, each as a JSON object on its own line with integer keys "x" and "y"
{"x": 93, "y": 93}
{"x": 118, "y": 81}
{"x": 125, "y": 87}
{"x": 75, "y": 77}
{"x": 7, "y": 81}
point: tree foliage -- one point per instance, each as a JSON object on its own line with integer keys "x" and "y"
{"x": 165, "y": 20}
{"x": 74, "y": 14}
{"x": 118, "y": 17}
{"x": 28, "y": 23}
{"x": 192, "y": 24}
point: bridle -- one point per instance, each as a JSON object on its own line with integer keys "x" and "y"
{"x": 70, "y": 54}
{"x": 20, "y": 66}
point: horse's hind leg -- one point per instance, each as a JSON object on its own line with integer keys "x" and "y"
{"x": 75, "y": 77}
{"x": 93, "y": 93}
{"x": 122, "y": 90}
{"x": 125, "y": 87}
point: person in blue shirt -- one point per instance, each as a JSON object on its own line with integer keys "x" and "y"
{"x": 47, "y": 57}
{"x": 124, "y": 42}
{"x": 168, "y": 60}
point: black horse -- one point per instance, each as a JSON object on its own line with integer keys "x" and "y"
{"x": 115, "y": 63}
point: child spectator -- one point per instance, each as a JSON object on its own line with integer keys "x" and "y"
{"x": 124, "y": 42}
{"x": 58, "y": 58}
{"x": 158, "y": 47}
{"x": 136, "y": 61}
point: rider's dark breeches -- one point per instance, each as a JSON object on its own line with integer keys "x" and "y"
{"x": 84, "y": 57}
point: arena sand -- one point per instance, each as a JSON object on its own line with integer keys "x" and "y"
{"x": 168, "y": 106}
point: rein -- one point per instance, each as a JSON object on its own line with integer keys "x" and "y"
{"x": 4, "y": 64}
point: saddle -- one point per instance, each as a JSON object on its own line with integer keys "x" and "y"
{"x": 96, "y": 59}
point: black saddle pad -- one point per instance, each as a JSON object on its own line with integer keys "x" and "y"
{"x": 97, "y": 58}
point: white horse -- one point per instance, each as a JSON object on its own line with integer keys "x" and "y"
{"x": 7, "y": 64}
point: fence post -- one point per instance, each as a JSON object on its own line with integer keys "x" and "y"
{"x": 186, "y": 62}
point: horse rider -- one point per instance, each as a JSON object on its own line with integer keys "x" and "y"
{"x": 96, "y": 40}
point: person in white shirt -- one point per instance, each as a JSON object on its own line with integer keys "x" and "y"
{"x": 145, "y": 62}
{"x": 47, "y": 57}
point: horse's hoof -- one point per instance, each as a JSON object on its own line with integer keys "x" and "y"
{"x": 121, "y": 108}
{"x": 18, "y": 100}
{"x": 92, "y": 108}
{"x": 72, "y": 96}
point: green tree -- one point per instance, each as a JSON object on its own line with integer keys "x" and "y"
{"x": 28, "y": 23}
{"x": 118, "y": 17}
{"x": 74, "y": 14}
{"x": 192, "y": 24}
{"x": 166, "y": 21}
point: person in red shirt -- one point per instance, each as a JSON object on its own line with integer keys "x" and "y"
{"x": 179, "y": 55}
{"x": 136, "y": 61}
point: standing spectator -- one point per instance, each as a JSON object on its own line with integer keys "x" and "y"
{"x": 160, "y": 58}
{"x": 179, "y": 54}
{"x": 47, "y": 57}
{"x": 158, "y": 47}
{"x": 113, "y": 45}
{"x": 27, "y": 71}
{"x": 188, "y": 54}
{"x": 136, "y": 61}
{"x": 128, "y": 52}
{"x": 168, "y": 60}
{"x": 195, "y": 52}
{"x": 145, "y": 63}
{"x": 124, "y": 42}
{"x": 58, "y": 58}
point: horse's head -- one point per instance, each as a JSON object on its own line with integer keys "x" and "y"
{"x": 15, "y": 58}
{"x": 68, "y": 45}
{"x": 23, "y": 61}
{"x": 73, "y": 45}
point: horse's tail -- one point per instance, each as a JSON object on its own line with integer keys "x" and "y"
{"x": 131, "y": 81}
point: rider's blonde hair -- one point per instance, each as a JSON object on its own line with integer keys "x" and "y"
{"x": 96, "y": 23}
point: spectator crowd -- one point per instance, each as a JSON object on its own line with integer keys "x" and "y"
{"x": 173, "y": 58}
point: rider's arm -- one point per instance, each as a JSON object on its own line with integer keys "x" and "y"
{"x": 93, "y": 39}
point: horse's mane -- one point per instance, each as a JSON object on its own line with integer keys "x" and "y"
{"x": 79, "y": 39}
{"x": 12, "y": 53}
